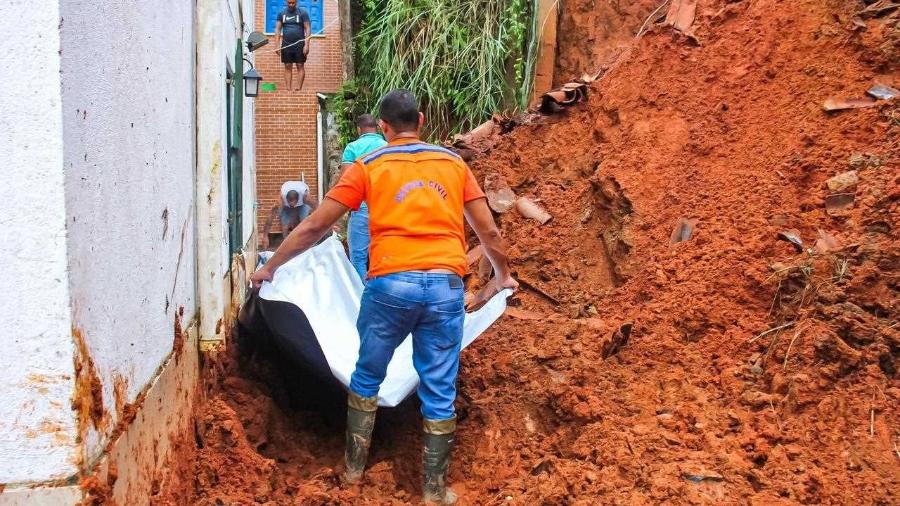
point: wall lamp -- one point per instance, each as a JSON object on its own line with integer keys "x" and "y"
{"x": 251, "y": 81}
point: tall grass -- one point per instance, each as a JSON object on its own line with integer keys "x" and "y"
{"x": 464, "y": 59}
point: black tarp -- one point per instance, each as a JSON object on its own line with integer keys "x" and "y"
{"x": 283, "y": 326}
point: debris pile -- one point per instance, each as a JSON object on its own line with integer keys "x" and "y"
{"x": 666, "y": 345}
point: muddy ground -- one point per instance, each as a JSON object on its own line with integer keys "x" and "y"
{"x": 754, "y": 374}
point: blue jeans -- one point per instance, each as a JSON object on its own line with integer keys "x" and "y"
{"x": 358, "y": 237}
{"x": 305, "y": 211}
{"x": 284, "y": 214}
{"x": 430, "y": 307}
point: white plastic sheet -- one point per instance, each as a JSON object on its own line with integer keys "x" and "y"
{"x": 323, "y": 284}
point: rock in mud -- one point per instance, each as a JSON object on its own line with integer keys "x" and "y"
{"x": 843, "y": 182}
{"x": 831, "y": 348}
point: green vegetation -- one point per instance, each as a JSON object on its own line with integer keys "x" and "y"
{"x": 345, "y": 108}
{"x": 464, "y": 59}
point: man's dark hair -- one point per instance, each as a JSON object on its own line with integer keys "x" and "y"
{"x": 399, "y": 109}
{"x": 366, "y": 121}
{"x": 292, "y": 195}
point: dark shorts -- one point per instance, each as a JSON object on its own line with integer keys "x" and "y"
{"x": 293, "y": 54}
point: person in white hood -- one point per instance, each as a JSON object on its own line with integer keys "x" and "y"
{"x": 296, "y": 204}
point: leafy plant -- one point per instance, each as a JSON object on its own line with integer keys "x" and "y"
{"x": 464, "y": 59}
{"x": 346, "y": 107}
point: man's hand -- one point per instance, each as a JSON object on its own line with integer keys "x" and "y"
{"x": 310, "y": 201}
{"x": 479, "y": 216}
{"x": 307, "y": 31}
{"x": 278, "y": 36}
{"x": 257, "y": 278}
{"x": 491, "y": 288}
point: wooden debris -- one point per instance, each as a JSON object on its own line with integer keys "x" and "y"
{"x": 838, "y": 202}
{"x": 883, "y": 92}
{"x": 529, "y": 209}
{"x": 476, "y": 136}
{"x": 792, "y": 236}
{"x": 534, "y": 286}
{"x": 872, "y": 418}
{"x": 879, "y": 8}
{"x": 483, "y": 130}
{"x": 684, "y": 229}
{"x": 499, "y": 195}
{"x": 875, "y": 93}
{"x": 826, "y": 242}
{"x": 840, "y": 104}
{"x": 700, "y": 478}
{"x": 681, "y": 15}
{"x": 618, "y": 340}
{"x": 556, "y": 100}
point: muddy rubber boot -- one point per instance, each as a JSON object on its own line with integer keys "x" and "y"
{"x": 439, "y": 436}
{"x": 360, "y": 422}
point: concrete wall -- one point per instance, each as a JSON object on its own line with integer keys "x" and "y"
{"x": 102, "y": 135}
{"x": 127, "y": 74}
{"x": 37, "y": 425}
{"x": 248, "y": 9}
{"x": 220, "y": 23}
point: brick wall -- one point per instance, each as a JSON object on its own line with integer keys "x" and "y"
{"x": 285, "y": 119}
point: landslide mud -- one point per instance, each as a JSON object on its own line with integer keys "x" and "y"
{"x": 753, "y": 374}
{"x": 592, "y": 34}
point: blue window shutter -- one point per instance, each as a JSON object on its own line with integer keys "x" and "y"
{"x": 313, "y": 7}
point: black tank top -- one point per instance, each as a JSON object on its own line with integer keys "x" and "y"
{"x": 292, "y": 28}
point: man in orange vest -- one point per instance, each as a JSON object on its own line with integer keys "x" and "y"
{"x": 418, "y": 195}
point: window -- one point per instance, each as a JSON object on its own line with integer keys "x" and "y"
{"x": 312, "y": 7}
{"x": 234, "y": 117}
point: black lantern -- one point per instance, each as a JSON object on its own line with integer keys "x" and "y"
{"x": 251, "y": 82}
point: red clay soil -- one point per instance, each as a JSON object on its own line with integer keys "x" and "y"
{"x": 754, "y": 374}
{"x": 592, "y": 34}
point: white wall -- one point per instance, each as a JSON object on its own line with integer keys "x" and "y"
{"x": 219, "y": 26}
{"x": 249, "y": 209}
{"x": 127, "y": 87}
{"x": 37, "y": 425}
{"x": 211, "y": 163}
{"x": 114, "y": 203}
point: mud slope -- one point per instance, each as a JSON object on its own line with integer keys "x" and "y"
{"x": 592, "y": 34}
{"x": 754, "y": 374}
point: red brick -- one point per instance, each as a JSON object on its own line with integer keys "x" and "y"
{"x": 286, "y": 120}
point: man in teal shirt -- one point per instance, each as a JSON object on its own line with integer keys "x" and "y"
{"x": 358, "y": 229}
